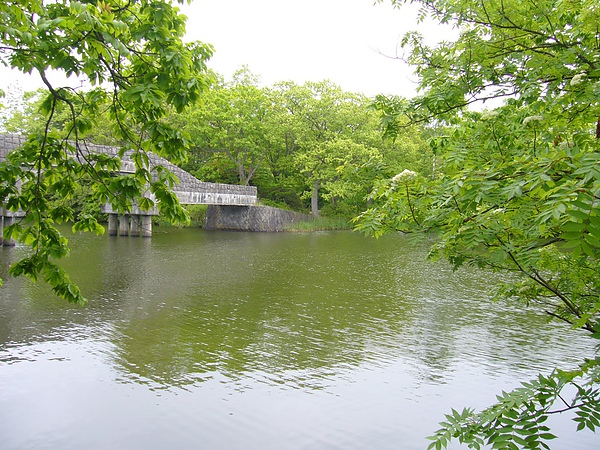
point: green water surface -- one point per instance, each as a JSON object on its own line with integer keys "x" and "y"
{"x": 215, "y": 340}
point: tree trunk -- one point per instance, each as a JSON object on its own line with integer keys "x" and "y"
{"x": 314, "y": 200}
{"x": 241, "y": 174}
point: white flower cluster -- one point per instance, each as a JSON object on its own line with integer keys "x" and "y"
{"x": 578, "y": 79}
{"x": 487, "y": 114}
{"x": 404, "y": 175}
{"x": 532, "y": 119}
{"x": 564, "y": 145}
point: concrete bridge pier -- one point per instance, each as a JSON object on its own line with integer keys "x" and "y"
{"x": 124, "y": 225}
{"x": 7, "y": 218}
{"x": 146, "y": 227}
{"x": 113, "y": 224}
{"x": 140, "y": 225}
{"x": 134, "y": 223}
{"x": 6, "y": 222}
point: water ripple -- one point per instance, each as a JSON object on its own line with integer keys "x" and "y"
{"x": 259, "y": 341}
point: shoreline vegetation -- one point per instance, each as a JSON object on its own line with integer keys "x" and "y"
{"x": 321, "y": 224}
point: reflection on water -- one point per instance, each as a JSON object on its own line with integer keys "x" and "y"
{"x": 198, "y": 339}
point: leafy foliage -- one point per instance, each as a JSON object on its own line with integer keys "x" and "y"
{"x": 518, "y": 419}
{"x": 313, "y": 141}
{"x": 518, "y": 187}
{"x": 235, "y": 120}
{"x": 332, "y": 139}
{"x": 133, "y": 55}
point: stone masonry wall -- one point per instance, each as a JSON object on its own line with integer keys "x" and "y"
{"x": 250, "y": 218}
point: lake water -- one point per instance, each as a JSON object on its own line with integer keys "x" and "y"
{"x": 215, "y": 340}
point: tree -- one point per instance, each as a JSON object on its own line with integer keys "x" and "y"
{"x": 344, "y": 169}
{"x": 133, "y": 56}
{"x": 518, "y": 190}
{"x": 234, "y": 119}
{"x": 27, "y": 117}
{"x": 11, "y": 103}
{"x": 325, "y": 131}
{"x": 312, "y": 141}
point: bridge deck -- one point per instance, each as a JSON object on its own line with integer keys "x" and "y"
{"x": 189, "y": 190}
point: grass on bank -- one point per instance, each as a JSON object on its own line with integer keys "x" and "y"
{"x": 321, "y": 224}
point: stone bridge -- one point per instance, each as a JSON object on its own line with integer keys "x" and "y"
{"x": 189, "y": 190}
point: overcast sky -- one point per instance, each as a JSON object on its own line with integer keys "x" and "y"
{"x": 308, "y": 40}
{"x": 350, "y": 42}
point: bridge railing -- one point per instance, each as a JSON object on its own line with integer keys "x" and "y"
{"x": 189, "y": 189}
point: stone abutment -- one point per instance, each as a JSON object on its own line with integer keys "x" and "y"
{"x": 251, "y": 218}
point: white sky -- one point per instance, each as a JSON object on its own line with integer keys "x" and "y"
{"x": 301, "y": 40}
{"x": 308, "y": 40}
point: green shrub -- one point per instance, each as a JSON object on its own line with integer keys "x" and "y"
{"x": 281, "y": 197}
{"x": 197, "y": 214}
